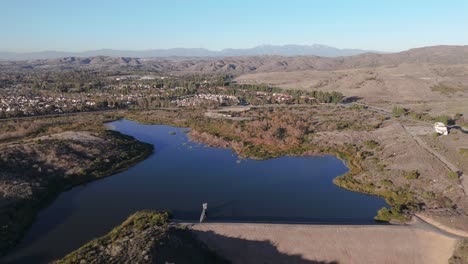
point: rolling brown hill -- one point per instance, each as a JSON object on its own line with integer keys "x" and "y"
{"x": 255, "y": 64}
{"x": 431, "y": 79}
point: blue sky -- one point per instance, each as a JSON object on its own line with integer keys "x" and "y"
{"x": 77, "y": 25}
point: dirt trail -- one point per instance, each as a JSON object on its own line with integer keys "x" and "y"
{"x": 283, "y": 243}
{"x": 421, "y": 143}
{"x": 450, "y": 166}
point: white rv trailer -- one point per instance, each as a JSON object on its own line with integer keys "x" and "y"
{"x": 441, "y": 128}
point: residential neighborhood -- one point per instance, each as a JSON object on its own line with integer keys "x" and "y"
{"x": 28, "y": 95}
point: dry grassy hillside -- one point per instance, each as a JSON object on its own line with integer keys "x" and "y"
{"x": 441, "y": 55}
{"x": 425, "y": 87}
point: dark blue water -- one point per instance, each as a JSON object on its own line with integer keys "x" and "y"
{"x": 180, "y": 176}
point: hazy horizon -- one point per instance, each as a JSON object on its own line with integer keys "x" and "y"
{"x": 215, "y": 50}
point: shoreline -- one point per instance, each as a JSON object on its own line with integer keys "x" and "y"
{"x": 55, "y": 189}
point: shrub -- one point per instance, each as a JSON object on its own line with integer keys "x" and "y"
{"x": 357, "y": 107}
{"x": 386, "y": 182}
{"x": 411, "y": 175}
{"x": 398, "y": 111}
{"x": 281, "y": 133}
{"x": 415, "y": 115}
{"x": 371, "y": 144}
{"x": 443, "y": 118}
{"x": 428, "y": 195}
{"x": 463, "y": 151}
{"x": 453, "y": 175}
{"x": 447, "y": 203}
{"x": 383, "y": 215}
{"x": 327, "y": 97}
{"x": 386, "y": 215}
{"x": 381, "y": 166}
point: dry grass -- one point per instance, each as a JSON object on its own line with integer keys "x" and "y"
{"x": 397, "y": 84}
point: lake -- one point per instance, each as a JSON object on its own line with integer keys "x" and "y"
{"x": 179, "y": 177}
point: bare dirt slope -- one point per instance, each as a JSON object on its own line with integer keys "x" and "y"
{"x": 268, "y": 243}
{"x": 402, "y": 83}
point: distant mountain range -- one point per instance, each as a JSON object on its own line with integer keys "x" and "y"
{"x": 440, "y": 55}
{"x": 286, "y": 50}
